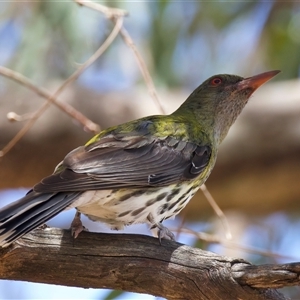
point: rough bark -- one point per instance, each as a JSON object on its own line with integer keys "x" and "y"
{"x": 140, "y": 264}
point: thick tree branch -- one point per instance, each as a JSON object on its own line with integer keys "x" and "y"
{"x": 268, "y": 276}
{"x": 139, "y": 264}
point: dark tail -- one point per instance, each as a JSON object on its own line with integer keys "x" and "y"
{"x": 29, "y": 212}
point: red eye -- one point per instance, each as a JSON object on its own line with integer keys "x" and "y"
{"x": 216, "y": 81}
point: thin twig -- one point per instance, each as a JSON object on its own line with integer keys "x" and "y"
{"x": 113, "y": 14}
{"x": 67, "y": 108}
{"x": 74, "y": 76}
{"x": 93, "y": 58}
{"x": 143, "y": 68}
{"x": 109, "y": 12}
{"x": 213, "y": 239}
{"x": 217, "y": 210}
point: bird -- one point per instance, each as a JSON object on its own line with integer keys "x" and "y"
{"x": 142, "y": 171}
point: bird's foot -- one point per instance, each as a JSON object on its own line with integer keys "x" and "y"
{"x": 43, "y": 226}
{"x": 163, "y": 232}
{"x": 76, "y": 225}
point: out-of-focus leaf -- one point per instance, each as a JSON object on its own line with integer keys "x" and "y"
{"x": 113, "y": 295}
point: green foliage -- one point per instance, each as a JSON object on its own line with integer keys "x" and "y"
{"x": 113, "y": 295}
{"x": 281, "y": 39}
{"x": 179, "y": 40}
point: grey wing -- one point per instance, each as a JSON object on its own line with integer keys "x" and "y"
{"x": 29, "y": 212}
{"x": 119, "y": 162}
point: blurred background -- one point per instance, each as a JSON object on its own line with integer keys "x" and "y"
{"x": 256, "y": 180}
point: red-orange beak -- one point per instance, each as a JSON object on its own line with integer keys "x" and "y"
{"x": 256, "y": 81}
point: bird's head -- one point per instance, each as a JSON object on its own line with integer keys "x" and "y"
{"x": 218, "y": 101}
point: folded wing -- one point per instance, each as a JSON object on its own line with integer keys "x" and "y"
{"x": 117, "y": 161}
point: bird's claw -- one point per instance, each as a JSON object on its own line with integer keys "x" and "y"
{"x": 76, "y": 226}
{"x": 163, "y": 232}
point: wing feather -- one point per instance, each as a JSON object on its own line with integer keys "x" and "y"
{"x": 116, "y": 162}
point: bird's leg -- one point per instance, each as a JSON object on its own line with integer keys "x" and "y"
{"x": 76, "y": 225}
{"x": 163, "y": 232}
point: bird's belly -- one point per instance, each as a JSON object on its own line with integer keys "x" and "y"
{"x": 122, "y": 207}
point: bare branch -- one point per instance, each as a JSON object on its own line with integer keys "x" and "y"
{"x": 109, "y": 12}
{"x": 214, "y": 239}
{"x": 268, "y": 276}
{"x": 217, "y": 210}
{"x": 113, "y": 14}
{"x": 70, "y": 110}
{"x": 144, "y": 70}
{"x": 94, "y": 57}
{"x": 139, "y": 264}
{"x": 74, "y": 76}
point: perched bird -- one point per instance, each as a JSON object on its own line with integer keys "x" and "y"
{"x": 143, "y": 171}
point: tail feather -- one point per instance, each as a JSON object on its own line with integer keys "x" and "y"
{"x": 31, "y": 211}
